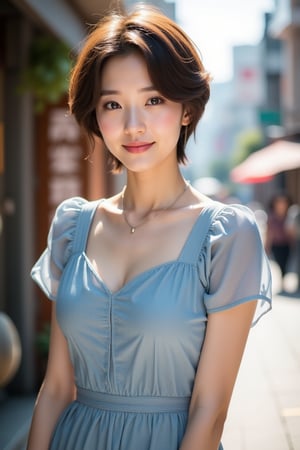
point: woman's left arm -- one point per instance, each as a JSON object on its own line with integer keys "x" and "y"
{"x": 221, "y": 355}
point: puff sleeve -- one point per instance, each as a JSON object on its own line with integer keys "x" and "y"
{"x": 236, "y": 267}
{"x": 48, "y": 269}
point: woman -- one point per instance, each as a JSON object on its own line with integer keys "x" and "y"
{"x": 156, "y": 287}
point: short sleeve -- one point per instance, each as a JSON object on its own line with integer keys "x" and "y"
{"x": 237, "y": 268}
{"x": 48, "y": 269}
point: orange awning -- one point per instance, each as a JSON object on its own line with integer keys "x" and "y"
{"x": 262, "y": 165}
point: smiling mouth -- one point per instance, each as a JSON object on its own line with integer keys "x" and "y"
{"x": 138, "y": 147}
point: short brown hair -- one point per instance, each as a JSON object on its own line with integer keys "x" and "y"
{"x": 172, "y": 59}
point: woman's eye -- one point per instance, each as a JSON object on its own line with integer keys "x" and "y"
{"x": 112, "y": 105}
{"x": 155, "y": 101}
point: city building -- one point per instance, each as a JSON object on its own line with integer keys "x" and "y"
{"x": 285, "y": 25}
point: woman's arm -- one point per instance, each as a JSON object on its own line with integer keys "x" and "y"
{"x": 221, "y": 355}
{"x": 57, "y": 391}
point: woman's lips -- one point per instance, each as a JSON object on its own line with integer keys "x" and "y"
{"x": 138, "y": 147}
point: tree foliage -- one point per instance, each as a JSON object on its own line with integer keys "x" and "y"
{"x": 247, "y": 142}
{"x": 47, "y": 74}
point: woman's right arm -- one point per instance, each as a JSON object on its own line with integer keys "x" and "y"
{"x": 57, "y": 390}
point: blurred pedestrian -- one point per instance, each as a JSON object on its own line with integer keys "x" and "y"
{"x": 294, "y": 229}
{"x": 278, "y": 232}
{"x": 156, "y": 287}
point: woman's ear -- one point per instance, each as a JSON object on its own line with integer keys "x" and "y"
{"x": 186, "y": 118}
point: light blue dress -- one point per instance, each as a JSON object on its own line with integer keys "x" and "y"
{"x": 135, "y": 351}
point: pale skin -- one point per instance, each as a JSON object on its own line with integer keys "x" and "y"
{"x": 141, "y": 129}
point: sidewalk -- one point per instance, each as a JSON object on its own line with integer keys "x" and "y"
{"x": 15, "y": 416}
{"x": 265, "y": 409}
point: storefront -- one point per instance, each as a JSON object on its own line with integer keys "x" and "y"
{"x": 42, "y": 162}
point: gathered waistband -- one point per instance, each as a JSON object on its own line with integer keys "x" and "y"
{"x": 124, "y": 403}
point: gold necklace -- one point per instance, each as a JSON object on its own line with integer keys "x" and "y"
{"x": 134, "y": 227}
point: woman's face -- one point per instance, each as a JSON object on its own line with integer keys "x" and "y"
{"x": 139, "y": 126}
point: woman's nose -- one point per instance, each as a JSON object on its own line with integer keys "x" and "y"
{"x": 134, "y": 122}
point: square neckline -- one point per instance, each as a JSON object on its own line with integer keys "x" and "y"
{"x": 155, "y": 267}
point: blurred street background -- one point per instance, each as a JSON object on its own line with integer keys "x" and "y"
{"x": 246, "y": 150}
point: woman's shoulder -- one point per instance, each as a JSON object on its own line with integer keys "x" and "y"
{"x": 230, "y": 213}
{"x": 66, "y": 215}
{"x": 234, "y": 213}
{"x": 70, "y": 208}
{"x": 232, "y": 219}
{"x": 224, "y": 218}
{"x": 234, "y": 234}
{"x": 69, "y": 205}
{"x": 64, "y": 225}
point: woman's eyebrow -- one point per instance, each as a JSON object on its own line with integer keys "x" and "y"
{"x": 116, "y": 92}
{"x": 147, "y": 89}
{"x": 109, "y": 92}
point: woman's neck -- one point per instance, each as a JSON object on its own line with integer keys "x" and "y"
{"x": 145, "y": 194}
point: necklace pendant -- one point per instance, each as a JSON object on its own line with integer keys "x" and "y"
{"x": 132, "y": 230}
